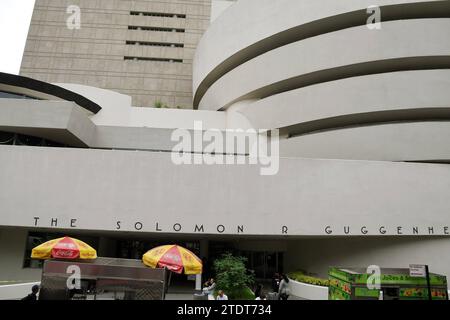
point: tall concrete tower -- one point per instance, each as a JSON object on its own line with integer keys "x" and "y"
{"x": 141, "y": 48}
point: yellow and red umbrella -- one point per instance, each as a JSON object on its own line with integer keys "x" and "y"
{"x": 174, "y": 258}
{"x": 64, "y": 248}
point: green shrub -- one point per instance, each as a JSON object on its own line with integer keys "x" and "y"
{"x": 233, "y": 278}
{"x": 159, "y": 104}
{"x": 302, "y": 276}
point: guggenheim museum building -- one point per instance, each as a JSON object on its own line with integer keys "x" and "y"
{"x": 115, "y": 129}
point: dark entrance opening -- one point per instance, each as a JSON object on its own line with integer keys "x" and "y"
{"x": 264, "y": 263}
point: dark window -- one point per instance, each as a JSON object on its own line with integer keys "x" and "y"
{"x": 11, "y": 138}
{"x": 9, "y": 95}
{"x": 153, "y": 59}
{"x": 160, "y": 29}
{"x": 158, "y": 14}
{"x": 156, "y": 44}
{"x": 7, "y": 138}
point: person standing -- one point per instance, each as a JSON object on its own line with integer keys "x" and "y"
{"x": 258, "y": 290}
{"x": 33, "y": 295}
{"x": 275, "y": 282}
{"x": 210, "y": 285}
{"x": 283, "y": 290}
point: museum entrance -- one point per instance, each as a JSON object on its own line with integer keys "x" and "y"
{"x": 264, "y": 264}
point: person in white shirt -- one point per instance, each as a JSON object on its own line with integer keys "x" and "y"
{"x": 221, "y": 296}
{"x": 209, "y": 287}
{"x": 284, "y": 290}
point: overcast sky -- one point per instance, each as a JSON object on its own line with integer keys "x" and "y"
{"x": 15, "y": 18}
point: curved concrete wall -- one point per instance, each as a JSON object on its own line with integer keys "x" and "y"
{"x": 335, "y": 88}
{"x": 328, "y": 57}
{"x": 40, "y": 90}
{"x": 425, "y": 89}
{"x": 414, "y": 141}
{"x": 273, "y": 24}
{"x": 308, "y": 291}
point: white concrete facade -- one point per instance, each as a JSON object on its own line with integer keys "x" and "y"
{"x": 128, "y": 187}
{"x": 364, "y": 122}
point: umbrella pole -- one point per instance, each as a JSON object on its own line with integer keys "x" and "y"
{"x": 198, "y": 282}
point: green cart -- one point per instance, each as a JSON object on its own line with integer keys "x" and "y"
{"x": 395, "y": 284}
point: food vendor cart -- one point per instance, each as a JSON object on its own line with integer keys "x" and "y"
{"x": 102, "y": 279}
{"x": 395, "y": 284}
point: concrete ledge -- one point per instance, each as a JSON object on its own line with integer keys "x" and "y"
{"x": 59, "y": 121}
{"x": 308, "y": 291}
